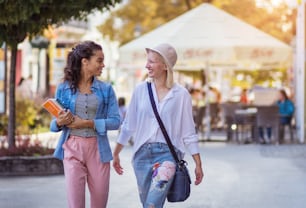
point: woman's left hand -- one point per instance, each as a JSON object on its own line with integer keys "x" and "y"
{"x": 65, "y": 118}
{"x": 116, "y": 164}
{"x": 76, "y": 123}
{"x": 198, "y": 170}
{"x": 199, "y": 175}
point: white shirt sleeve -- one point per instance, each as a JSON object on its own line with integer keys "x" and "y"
{"x": 130, "y": 122}
{"x": 188, "y": 131}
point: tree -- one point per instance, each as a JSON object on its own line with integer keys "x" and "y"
{"x": 276, "y": 20}
{"x": 138, "y": 17}
{"x": 19, "y": 19}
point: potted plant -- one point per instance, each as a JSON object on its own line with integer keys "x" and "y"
{"x": 29, "y": 156}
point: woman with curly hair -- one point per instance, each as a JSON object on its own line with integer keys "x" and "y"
{"x": 91, "y": 110}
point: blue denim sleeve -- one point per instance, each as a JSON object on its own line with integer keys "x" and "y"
{"x": 112, "y": 120}
{"x": 54, "y": 127}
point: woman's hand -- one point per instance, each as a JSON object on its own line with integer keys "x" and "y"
{"x": 198, "y": 169}
{"x": 199, "y": 175}
{"x": 77, "y": 123}
{"x": 65, "y": 117}
{"x": 116, "y": 159}
{"x": 117, "y": 165}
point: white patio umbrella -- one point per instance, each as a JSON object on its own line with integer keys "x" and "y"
{"x": 207, "y": 34}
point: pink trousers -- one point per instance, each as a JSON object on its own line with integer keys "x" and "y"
{"x": 82, "y": 164}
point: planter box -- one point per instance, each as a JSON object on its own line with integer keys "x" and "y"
{"x": 30, "y": 166}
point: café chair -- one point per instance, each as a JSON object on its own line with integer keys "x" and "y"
{"x": 228, "y": 111}
{"x": 283, "y": 127}
{"x": 214, "y": 115}
{"x": 268, "y": 117}
{"x": 245, "y": 120}
{"x": 199, "y": 114}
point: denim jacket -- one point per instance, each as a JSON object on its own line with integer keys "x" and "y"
{"x": 107, "y": 116}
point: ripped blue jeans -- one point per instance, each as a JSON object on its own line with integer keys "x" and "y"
{"x": 154, "y": 168}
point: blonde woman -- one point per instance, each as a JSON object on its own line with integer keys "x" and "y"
{"x": 153, "y": 163}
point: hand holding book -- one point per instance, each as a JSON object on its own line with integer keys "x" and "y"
{"x": 53, "y": 107}
{"x": 63, "y": 116}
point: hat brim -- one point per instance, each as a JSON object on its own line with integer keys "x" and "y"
{"x": 164, "y": 58}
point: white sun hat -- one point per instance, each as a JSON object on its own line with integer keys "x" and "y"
{"x": 169, "y": 55}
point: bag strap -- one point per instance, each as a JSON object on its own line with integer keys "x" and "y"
{"x": 162, "y": 127}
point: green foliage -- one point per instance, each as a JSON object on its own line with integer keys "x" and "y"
{"x": 277, "y": 21}
{"x": 26, "y": 114}
{"x": 29, "y": 117}
{"x": 265, "y": 78}
{"x": 3, "y": 124}
{"x": 20, "y": 18}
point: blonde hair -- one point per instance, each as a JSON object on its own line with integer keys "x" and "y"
{"x": 169, "y": 79}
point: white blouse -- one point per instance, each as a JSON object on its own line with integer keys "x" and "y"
{"x": 175, "y": 111}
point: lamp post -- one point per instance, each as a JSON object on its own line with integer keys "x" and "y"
{"x": 300, "y": 70}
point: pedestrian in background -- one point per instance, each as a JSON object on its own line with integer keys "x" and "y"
{"x": 153, "y": 163}
{"x": 244, "y": 96}
{"x": 122, "y": 108}
{"x": 25, "y": 88}
{"x": 91, "y": 110}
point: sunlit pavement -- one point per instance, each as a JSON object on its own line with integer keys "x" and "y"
{"x": 236, "y": 176}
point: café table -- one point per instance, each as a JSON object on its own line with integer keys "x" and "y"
{"x": 246, "y": 124}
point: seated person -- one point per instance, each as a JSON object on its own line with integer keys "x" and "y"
{"x": 286, "y": 110}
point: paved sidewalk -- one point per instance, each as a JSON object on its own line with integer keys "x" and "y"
{"x": 236, "y": 176}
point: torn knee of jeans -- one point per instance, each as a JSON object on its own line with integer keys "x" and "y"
{"x": 162, "y": 173}
{"x": 151, "y": 206}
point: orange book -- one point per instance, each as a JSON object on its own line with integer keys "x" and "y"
{"x": 53, "y": 106}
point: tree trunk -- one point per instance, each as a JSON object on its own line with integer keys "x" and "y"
{"x": 12, "y": 115}
{"x": 47, "y": 86}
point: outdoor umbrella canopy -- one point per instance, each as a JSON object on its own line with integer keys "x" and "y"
{"x": 207, "y": 36}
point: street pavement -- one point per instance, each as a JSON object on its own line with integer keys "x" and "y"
{"x": 236, "y": 176}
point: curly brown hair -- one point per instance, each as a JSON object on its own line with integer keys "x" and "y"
{"x": 72, "y": 71}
